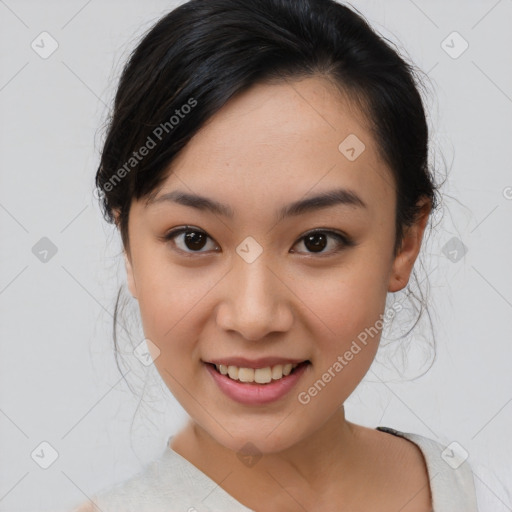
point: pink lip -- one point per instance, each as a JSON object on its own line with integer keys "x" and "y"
{"x": 250, "y": 393}
{"x": 263, "y": 362}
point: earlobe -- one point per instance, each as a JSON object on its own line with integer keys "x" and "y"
{"x": 130, "y": 277}
{"x": 117, "y": 214}
{"x": 401, "y": 272}
{"x": 409, "y": 249}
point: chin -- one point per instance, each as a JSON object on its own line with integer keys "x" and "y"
{"x": 256, "y": 441}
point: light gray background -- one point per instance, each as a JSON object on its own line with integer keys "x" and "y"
{"x": 58, "y": 380}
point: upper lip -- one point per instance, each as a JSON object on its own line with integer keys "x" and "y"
{"x": 262, "y": 362}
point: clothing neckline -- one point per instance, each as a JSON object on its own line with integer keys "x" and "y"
{"x": 445, "y": 482}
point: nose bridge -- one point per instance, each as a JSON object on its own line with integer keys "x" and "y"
{"x": 253, "y": 281}
{"x": 255, "y": 302}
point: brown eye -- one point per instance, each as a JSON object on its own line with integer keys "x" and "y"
{"x": 190, "y": 240}
{"x": 317, "y": 241}
{"x": 193, "y": 240}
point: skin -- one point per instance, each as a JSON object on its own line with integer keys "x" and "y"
{"x": 266, "y": 148}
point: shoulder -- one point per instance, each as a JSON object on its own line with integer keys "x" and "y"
{"x": 449, "y": 472}
{"x": 462, "y": 480}
{"x": 397, "y": 469}
{"x": 163, "y": 482}
{"x": 393, "y": 452}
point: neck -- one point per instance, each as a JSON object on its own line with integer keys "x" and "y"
{"x": 329, "y": 449}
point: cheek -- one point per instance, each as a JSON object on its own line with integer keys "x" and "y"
{"x": 351, "y": 304}
{"x": 350, "y": 299}
{"x": 171, "y": 302}
{"x": 168, "y": 294}
{"x": 352, "y": 312}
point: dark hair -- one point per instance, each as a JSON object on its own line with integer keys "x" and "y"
{"x": 201, "y": 54}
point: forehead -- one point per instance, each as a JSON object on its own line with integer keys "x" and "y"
{"x": 275, "y": 143}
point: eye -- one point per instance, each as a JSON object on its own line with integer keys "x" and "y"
{"x": 190, "y": 240}
{"x": 316, "y": 241}
{"x": 193, "y": 241}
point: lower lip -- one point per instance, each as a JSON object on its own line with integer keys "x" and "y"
{"x": 251, "y": 393}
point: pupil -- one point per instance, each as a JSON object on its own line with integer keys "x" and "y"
{"x": 317, "y": 241}
{"x": 194, "y": 240}
{"x": 314, "y": 242}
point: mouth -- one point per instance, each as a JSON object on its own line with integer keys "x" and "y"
{"x": 257, "y": 386}
{"x": 265, "y": 375}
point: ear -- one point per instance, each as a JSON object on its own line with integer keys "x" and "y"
{"x": 409, "y": 249}
{"x": 128, "y": 265}
{"x": 116, "y": 213}
{"x": 129, "y": 276}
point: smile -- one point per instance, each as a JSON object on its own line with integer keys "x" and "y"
{"x": 257, "y": 386}
{"x": 258, "y": 375}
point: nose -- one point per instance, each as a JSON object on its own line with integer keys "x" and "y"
{"x": 255, "y": 300}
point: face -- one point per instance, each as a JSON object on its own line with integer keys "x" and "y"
{"x": 261, "y": 277}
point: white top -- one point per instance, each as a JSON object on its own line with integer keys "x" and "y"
{"x": 173, "y": 481}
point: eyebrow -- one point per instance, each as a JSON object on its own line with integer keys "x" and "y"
{"x": 326, "y": 199}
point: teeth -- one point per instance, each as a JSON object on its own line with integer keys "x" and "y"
{"x": 287, "y": 368}
{"x": 259, "y": 375}
{"x": 233, "y": 372}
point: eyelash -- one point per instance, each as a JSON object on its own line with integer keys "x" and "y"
{"x": 342, "y": 240}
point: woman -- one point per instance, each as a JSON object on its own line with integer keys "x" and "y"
{"x": 266, "y": 166}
